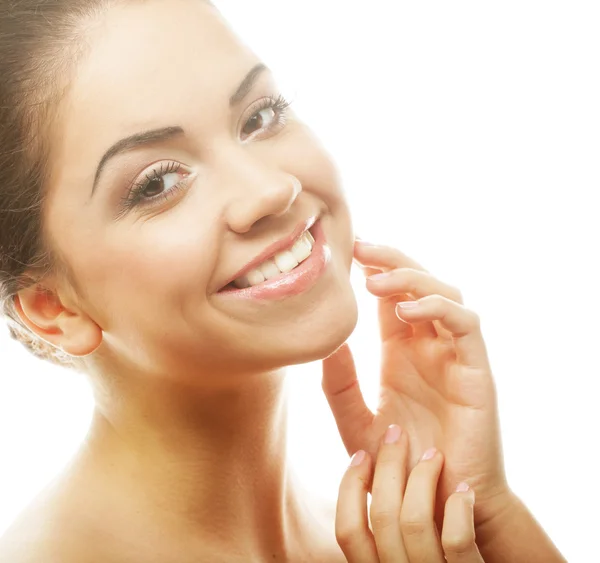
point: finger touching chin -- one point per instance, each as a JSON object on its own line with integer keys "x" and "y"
{"x": 383, "y": 256}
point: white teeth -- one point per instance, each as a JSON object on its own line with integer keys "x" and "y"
{"x": 269, "y": 269}
{"x": 301, "y": 249}
{"x": 282, "y": 262}
{"x": 285, "y": 261}
{"x": 255, "y": 277}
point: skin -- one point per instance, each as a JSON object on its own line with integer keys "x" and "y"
{"x": 436, "y": 380}
{"x": 187, "y": 444}
{"x": 402, "y": 511}
{"x": 437, "y": 384}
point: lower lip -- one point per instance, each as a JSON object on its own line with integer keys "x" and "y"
{"x": 300, "y": 279}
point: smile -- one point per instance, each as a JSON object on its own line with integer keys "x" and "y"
{"x": 282, "y": 263}
{"x": 289, "y": 272}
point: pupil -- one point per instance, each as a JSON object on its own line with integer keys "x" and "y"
{"x": 157, "y": 183}
{"x": 253, "y": 118}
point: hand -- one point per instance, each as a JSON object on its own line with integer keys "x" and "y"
{"x": 402, "y": 514}
{"x": 436, "y": 381}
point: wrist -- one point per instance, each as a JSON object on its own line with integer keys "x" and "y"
{"x": 508, "y": 531}
{"x": 495, "y": 512}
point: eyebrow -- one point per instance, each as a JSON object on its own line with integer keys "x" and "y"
{"x": 166, "y": 133}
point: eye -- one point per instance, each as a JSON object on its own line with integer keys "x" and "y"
{"x": 258, "y": 120}
{"x": 157, "y": 184}
{"x": 155, "y": 187}
{"x": 270, "y": 113}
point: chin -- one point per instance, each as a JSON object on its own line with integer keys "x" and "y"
{"x": 321, "y": 333}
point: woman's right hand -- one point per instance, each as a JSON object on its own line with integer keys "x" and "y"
{"x": 402, "y": 528}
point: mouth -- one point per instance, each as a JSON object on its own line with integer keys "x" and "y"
{"x": 278, "y": 258}
{"x": 289, "y": 271}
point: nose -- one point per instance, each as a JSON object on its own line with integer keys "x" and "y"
{"x": 261, "y": 196}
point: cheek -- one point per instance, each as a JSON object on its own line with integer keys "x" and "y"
{"x": 317, "y": 170}
{"x": 162, "y": 261}
{"x": 155, "y": 263}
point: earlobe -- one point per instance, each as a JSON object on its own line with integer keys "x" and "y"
{"x": 41, "y": 310}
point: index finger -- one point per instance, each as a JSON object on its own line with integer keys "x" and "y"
{"x": 387, "y": 257}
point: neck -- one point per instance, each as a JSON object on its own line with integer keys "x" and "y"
{"x": 213, "y": 463}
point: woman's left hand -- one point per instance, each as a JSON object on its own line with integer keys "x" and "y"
{"x": 436, "y": 381}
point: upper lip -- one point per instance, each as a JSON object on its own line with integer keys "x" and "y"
{"x": 282, "y": 244}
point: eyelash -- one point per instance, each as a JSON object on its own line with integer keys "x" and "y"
{"x": 134, "y": 196}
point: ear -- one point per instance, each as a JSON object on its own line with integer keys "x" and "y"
{"x": 69, "y": 329}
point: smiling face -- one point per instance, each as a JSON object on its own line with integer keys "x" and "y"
{"x": 168, "y": 178}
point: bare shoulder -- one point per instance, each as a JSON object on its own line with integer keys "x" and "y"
{"x": 45, "y": 532}
{"x": 30, "y": 539}
{"x": 23, "y": 547}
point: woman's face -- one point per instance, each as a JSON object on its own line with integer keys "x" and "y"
{"x": 155, "y": 226}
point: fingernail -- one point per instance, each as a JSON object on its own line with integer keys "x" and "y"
{"x": 428, "y": 454}
{"x": 464, "y": 488}
{"x": 357, "y": 458}
{"x": 404, "y": 305}
{"x": 392, "y": 434}
{"x": 376, "y": 277}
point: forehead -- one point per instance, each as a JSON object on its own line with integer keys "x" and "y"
{"x": 147, "y": 59}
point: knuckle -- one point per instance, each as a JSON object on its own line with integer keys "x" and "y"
{"x": 458, "y": 543}
{"x": 383, "y": 519}
{"x": 347, "y": 537}
{"x": 413, "y": 525}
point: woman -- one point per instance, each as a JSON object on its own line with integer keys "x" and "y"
{"x": 153, "y": 178}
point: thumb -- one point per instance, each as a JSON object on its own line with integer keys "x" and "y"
{"x": 341, "y": 387}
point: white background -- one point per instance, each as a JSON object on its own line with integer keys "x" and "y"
{"x": 468, "y": 135}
